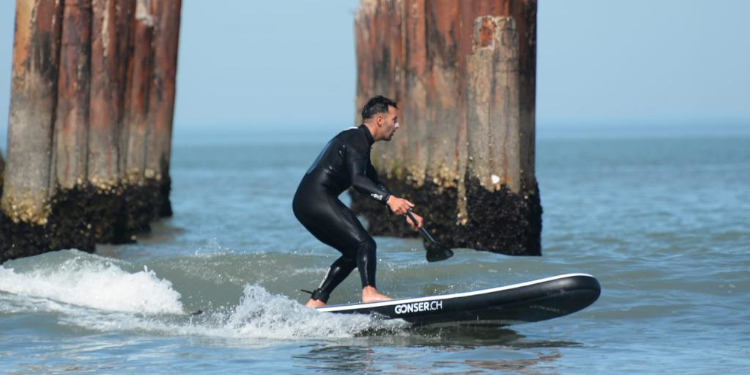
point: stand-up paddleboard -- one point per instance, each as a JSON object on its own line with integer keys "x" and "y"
{"x": 531, "y": 301}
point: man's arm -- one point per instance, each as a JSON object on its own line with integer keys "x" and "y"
{"x": 361, "y": 180}
{"x": 373, "y": 175}
{"x": 357, "y": 165}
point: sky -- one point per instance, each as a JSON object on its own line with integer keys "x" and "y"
{"x": 275, "y": 64}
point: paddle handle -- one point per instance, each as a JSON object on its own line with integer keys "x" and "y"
{"x": 422, "y": 230}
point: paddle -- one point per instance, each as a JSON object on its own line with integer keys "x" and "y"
{"x": 435, "y": 250}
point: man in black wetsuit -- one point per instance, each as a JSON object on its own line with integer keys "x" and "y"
{"x": 345, "y": 162}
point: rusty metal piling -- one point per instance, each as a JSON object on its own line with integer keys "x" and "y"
{"x": 464, "y": 74}
{"x": 90, "y": 125}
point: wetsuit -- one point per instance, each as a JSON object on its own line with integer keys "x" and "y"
{"x": 344, "y": 162}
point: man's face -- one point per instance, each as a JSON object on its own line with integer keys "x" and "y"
{"x": 390, "y": 123}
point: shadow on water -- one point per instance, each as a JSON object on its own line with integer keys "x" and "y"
{"x": 460, "y": 336}
{"x": 483, "y": 335}
{"x": 480, "y": 349}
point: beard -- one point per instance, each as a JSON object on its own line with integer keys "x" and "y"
{"x": 388, "y": 138}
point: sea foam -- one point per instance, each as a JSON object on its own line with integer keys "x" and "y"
{"x": 94, "y": 283}
{"x": 259, "y": 317}
{"x": 100, "y": 294}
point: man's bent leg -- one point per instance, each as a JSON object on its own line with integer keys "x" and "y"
{"x": 367, "y": 262}
{"x": 338, "y": 271}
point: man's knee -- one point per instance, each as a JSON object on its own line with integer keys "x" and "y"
{"x": 366, "y": 247}
{"x": 345, "y": 262}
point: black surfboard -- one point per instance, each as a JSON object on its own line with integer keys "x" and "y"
{"x": 531, "y": 301}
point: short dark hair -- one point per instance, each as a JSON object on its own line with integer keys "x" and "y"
{"x": 378, "y": 104}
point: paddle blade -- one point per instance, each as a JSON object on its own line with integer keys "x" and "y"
{"x": 437, "y": 252}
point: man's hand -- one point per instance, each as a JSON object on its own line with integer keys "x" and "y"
{"x": 412, "y": 224}
{"x": 399, "y": 206}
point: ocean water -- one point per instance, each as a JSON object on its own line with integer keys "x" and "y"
{"x": 660, "y": 218}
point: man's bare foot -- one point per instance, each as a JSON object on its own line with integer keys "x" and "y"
{"x": 314, "y": 303}
{"x": 370, "y": 294}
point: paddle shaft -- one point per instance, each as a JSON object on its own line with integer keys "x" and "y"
{"x": 422, "y": 230}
